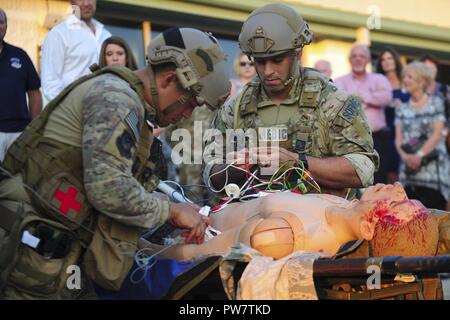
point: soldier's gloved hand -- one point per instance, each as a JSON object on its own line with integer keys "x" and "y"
{"x": 186, "y": 216}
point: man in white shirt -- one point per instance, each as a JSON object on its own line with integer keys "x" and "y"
{"x": 71, "y": 47}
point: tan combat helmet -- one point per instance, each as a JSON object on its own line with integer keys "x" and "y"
{"x": 272, "y": 30}
{"x": 200, "y": 65}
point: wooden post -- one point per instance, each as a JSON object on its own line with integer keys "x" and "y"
{"x": 363, "y": 36}
{"x": 147, "y": 34}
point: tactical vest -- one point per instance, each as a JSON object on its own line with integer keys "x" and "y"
{"x": 54, "y": 171}
{"x": 298, "y": 133}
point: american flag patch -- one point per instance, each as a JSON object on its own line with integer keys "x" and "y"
{"x": 132, "y": 121}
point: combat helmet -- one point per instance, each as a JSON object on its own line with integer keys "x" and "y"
{"x": 272, "y": 30}
{"x": 200, "y": 65}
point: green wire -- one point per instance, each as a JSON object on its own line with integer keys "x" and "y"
{"x": 286, "y": 183}
{"x": 275, "y": 173}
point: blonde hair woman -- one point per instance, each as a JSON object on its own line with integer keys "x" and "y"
{"x": 244, "y": 68}
{"x": 419, "y": 123}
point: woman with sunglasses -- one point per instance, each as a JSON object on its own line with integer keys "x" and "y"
{"x": 244, "y": 68}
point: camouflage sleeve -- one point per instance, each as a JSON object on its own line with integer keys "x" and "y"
{"x": 224, "y": 117}
{"x": 109, "y": 140}
{"x": 350, "y": 135}
{"x": 215, "y": 138}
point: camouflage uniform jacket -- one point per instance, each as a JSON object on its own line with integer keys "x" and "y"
{"x": 102, "y": 118}
{"x": 108, "y": 154}
{"x": 319, "y": 118}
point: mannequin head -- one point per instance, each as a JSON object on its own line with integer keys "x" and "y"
{"x": 396, "y": 225}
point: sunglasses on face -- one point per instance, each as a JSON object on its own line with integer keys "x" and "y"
{"x": 243, "y": 64}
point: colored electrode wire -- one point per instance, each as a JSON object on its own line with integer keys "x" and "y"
{"x": 145, "y": 262}
{"x": 277, "y": 178}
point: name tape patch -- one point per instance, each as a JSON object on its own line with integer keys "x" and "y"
{"x": 273, "y": 134}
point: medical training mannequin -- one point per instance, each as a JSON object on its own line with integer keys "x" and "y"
{"x": 282, "y": 223}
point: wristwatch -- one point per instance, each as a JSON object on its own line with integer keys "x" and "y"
{"x": 302, "y": 158}
{"x": 420, "y": 153}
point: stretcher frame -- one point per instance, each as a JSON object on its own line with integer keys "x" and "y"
{"x": 334, "y": 279}
{"x": 340, "y": 277}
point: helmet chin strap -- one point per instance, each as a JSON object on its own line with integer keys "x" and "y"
{"x": 161, "y": 114}
{"x": 294, "y": 72}
{"x": 154, "y": 94}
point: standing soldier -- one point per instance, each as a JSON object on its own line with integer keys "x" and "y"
{"x": 319, "y": 125}
{"x": 191, "y": 173}
{"x": 84, "y": 163}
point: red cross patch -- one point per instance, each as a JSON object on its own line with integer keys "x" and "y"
{"x": 67, "y": 199}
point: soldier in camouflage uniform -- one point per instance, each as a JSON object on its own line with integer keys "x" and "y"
{"x": 191, "y": 173}
{"x": 87, "y": 168}
{"x": 313, "y": 121}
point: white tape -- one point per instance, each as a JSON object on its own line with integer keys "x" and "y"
{"x": 30, "y": 240}
{"x": 210, "y": 233}
{"x": 204, "y": 211}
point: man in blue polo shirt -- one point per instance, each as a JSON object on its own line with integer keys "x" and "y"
{"x": 18, "y": 77}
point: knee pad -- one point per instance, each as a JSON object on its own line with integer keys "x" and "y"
{"x": 273, "y": 237}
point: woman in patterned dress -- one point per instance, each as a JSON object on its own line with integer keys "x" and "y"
{"x": 419, "y": 125}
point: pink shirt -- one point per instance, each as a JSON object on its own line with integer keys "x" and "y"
{"x": 376, "y": 93}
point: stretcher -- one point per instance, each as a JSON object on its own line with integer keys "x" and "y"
{"x": 342, "y": 277}
{"x": 410, "y": 278}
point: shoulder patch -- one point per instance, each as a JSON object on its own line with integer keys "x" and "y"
{"x": 311, "y": 93}
{"x": 350, "y": 109}
{"x": 124, "y": 144}
{"x": 132, "y": 122}
{"x": 312, "y": 85}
